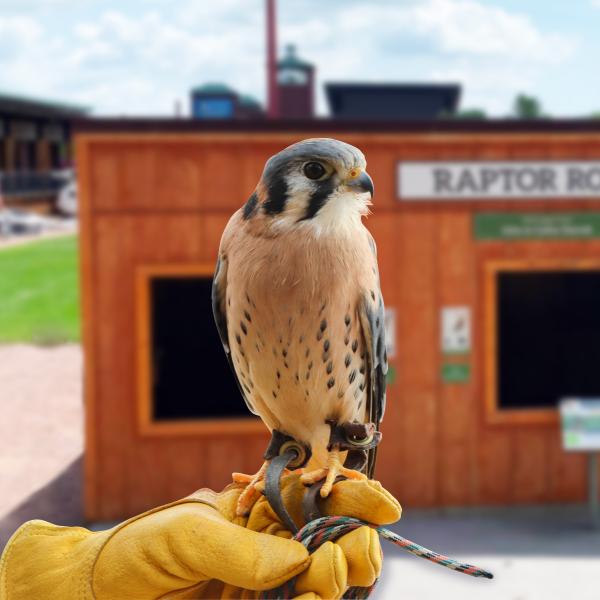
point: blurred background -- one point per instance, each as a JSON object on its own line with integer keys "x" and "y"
{"x": 130, "y": 131}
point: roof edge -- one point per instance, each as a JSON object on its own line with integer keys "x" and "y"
{"x": 449, "y": 125}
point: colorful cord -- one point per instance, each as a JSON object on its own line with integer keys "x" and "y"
{"x": 319, "y": 531}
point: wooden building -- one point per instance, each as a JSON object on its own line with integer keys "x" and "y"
{"x": 489, "y": 252}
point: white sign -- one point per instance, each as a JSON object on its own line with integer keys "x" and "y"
{"x": 486, "y": 180}
{"x": 580, "y": 424}
{"x": 456, "y": 329}
{"x": 390, "y": 332}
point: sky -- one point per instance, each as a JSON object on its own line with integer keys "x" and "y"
{"x": 140, "y": 57}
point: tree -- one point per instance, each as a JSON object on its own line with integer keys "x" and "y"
{"x": 527, "y": 107}
{"x": 471, "y": 113}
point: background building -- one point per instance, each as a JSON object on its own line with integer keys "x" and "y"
{"x": 391, "y": 101}
{"x": 35, "y": 141}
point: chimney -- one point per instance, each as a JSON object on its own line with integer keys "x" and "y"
{"x": 272, "y": 91}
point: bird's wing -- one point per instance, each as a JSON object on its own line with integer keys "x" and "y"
{"x": 219, "y": 295}
{"x": 372, "y": 319}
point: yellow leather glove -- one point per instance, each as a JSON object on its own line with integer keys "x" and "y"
{"x": 198, "y": 548}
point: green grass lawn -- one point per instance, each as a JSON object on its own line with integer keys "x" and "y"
{"x": 39, "y": 292}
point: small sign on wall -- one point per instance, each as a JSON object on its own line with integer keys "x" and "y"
{"x": 456, "y": 330}
{"x": 455, "y": 373}
{"x": 533, "y": 226}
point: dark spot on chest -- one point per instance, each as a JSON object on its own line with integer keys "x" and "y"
{"x": 243, "y": 327}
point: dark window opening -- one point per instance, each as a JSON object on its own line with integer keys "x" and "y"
{"x": 191, "y": 375}
{"x": 25, "y": 156}
{"x": 548, "y": 337}
{"x": 55, "y": 150}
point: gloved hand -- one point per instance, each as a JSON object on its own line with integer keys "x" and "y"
{"x": 198, "y": 548}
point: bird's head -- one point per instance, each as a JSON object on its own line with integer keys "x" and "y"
{"x": 319, "y": 183}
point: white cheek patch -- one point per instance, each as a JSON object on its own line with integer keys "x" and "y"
{"x": 342, "y": 212}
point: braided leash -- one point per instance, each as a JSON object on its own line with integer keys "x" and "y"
{"x": 324, "y": 529}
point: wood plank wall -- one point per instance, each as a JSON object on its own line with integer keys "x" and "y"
{"x": 160, "y": 199}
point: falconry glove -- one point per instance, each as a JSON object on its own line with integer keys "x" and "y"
{"x": 198, "y": 548}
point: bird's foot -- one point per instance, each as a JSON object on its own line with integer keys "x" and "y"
{"x": 330, "y": 472}
{"x": 255, "y": 486}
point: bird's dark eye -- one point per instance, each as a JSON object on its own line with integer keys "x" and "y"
{"x": 314, "y": 170}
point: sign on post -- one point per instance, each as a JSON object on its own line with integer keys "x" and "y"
{"x": 580, "y": 420}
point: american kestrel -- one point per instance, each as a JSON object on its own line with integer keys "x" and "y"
{"x": 298, "y": 305}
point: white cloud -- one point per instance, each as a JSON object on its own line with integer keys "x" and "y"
{"x": 137, "y": 56}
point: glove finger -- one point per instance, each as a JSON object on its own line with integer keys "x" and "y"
{"x": 327, "y": 575}
{"x": 362, "y": 550}
{"x": 307, "y": 596}
{"x": 364, "y": 499}
{"x": 202, "y": 541}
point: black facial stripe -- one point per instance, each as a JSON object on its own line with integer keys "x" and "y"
{"x": 250, "y": 206}
{"x": 276, "y": 195}
{"x": 317, "y": 199}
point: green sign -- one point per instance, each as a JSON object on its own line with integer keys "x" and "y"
{"x": 456, "y": 373}
{"x": 532, "y": 226}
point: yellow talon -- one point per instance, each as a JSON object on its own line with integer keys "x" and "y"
{"x": 255, "y": 486}
{"x": 330, "y": 472}
{"x": 248, "y": 496}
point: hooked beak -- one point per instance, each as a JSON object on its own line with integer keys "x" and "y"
{"x": 362, "y": 182}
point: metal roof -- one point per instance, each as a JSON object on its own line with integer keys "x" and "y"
{"x": 213, "y": 88}
{"x": 25, "y": 106}
{"x": 291, "y": 60}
